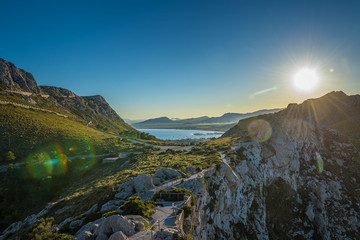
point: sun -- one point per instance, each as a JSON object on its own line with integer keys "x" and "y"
{"x": 306, "y": 79}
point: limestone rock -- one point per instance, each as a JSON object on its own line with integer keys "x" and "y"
{"x": 16, "y": 79}
{"x": 88, "y": 228}
{"x": 118, "y": 236}
{"x": 111, "y": 205}
{"x": 139, "y": 184}
{"x": 165, "y": 234}
{"x": 76, "y": 223}
{"x": 114, "y": 224}
{"x": 165, "y": 174}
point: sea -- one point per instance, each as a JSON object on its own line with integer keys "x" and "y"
{"x": 179, "y": 134}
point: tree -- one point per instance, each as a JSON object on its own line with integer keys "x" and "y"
{"x": 10, "y": 156}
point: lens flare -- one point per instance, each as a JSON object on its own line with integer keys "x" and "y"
{"x": 47, "y": 162}
{"x": 320, "y": 162}
{"x": 260, "y": 130}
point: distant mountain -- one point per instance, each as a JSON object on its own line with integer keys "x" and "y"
{"x": 221, "y": 123}
{"x": 235, "y": 117}
{"x": 157, "y": 121}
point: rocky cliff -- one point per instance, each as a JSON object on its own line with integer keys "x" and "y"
{"x": 293, "y": 175}
{"x": 14, "y": 78}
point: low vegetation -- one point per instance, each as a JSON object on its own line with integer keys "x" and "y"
{"x": 219, "y": 144}
{"x": 135, "y": 206}
{"x": 45, "y": 230}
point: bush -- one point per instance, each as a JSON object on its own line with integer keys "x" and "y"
{"x": 135, "y": 206}
{"x": 44, "y": 230}
{"x": 10, "y": 156}
{"x": 187, "y": 210}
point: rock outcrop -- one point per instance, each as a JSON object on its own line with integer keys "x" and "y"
{"x": 139, "y": 184}
{"x": 16, "y": 79}
{"x": 300, "y": 182}
{"x": 165, "y": 174}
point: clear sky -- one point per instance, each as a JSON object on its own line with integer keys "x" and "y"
{"x": 185, "y": 58}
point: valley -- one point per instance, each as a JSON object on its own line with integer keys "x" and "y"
{"x": 73, "y": 169}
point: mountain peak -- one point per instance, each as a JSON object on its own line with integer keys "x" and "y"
{"x": 16, "y": 79}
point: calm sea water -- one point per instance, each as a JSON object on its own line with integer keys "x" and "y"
{"x": 176, "y": 134}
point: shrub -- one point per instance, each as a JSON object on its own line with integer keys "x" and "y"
{"x": 135, "y": 206}
{"x": 10, "y": 156}
{"x": 187, "y": 210}
{"x": 44, "y": 230}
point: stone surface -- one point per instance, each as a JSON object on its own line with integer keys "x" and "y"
{"x": 139, "y": 184}
{"x": 165, "y": 174}
{"x": 111, "y": 205}
{"x": 17, "y": 79}
{"x": 114, "y": 224}
{"x": 118, "y": 236}
{"x": 76, "y": 223}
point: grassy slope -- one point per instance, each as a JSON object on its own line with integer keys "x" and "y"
{"x": 30, "y": 130}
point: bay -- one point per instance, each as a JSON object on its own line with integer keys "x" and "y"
{"x": 178, "y": 134}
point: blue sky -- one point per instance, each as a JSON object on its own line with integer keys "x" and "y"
{"x": 185, "y": 58}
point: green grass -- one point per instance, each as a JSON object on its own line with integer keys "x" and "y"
{"x": 219, "y": 144}
{"x": 26, "y": 131}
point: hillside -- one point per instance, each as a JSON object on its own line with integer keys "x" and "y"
{"x": 33, "y": 116}
{"x": 222, "y": 123}
{"x": 334, "y": 110}
{"x": 290, "y": 175}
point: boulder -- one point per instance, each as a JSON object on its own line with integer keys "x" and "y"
{"x": 115, "y": 223}
{"x": 166, "y": 234}
{"x": 90, "y": 227}
{"x": 139, "y": 184}
{"x": 102, "y": 236}
{"x": 138, "y": 221}
{"x": 64, "y": 222}
{"x": 92, "y": 209}
{"x": 165, "y": 174}
{"x": 139, "y": 226}
{"x": 122, "y": 195}
{"x": 118, "y": 236}
{"x": 111, "y": 205}
{"x": 86, "y": 235}
{"x": 76, "y": 223}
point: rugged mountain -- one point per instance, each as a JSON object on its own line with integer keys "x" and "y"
{"x": 13, "y": 78}
{"x": 21, "y": 84}
{"x": 32, "y": 115}
{"x": 221, "y": 123}
{"x": 235, "y": 117}
{"x": 292, "y": 175}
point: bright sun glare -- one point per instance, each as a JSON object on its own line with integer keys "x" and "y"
{"x": 306, "y": 79}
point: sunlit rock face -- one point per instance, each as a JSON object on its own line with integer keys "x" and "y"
{"x": 16, "y": 79}
{"x": 301, "y": 183}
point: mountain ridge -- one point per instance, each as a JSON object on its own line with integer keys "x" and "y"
{"x": 224, "y": 122}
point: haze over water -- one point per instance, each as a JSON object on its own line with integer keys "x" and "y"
{"x": 178, "y": 134}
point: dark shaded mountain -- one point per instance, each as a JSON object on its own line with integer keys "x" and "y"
{"x": 235, "y": 117}
{"x": 221, "y": 123}
{"x": 293, "y": 174}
